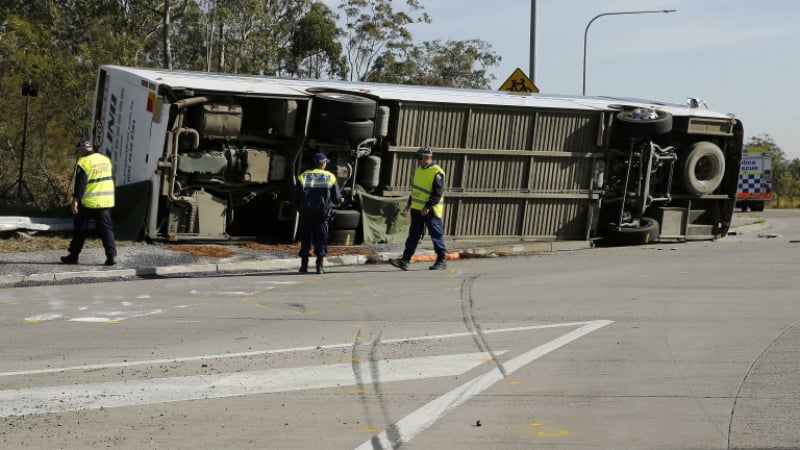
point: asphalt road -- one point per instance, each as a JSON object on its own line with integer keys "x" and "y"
{"x": 670, "y": 346}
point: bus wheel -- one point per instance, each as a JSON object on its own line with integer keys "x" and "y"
{"x": 344, "y": 106}
{"x": 352, "y": 130}
{"x": 646, "y": 232}
{"x": 644, "y": 122}
{"x": 342, "y": 237}
{"x": 345, "y": 219}
{"x": 703, "y": 168}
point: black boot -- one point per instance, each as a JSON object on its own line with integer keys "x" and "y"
{"x": 72, "y": 258}
{"x": 440, "y": 264}
{"x": 320, "y": 269}
{"x": 400, "y": 263}
{"x": 304, "y": 264}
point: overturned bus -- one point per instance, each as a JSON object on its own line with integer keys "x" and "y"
{"x": 215, "y": 156}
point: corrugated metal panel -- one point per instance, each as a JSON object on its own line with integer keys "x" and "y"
{"x": 499, "y": 217}
{"x": 521, "y": 217}
{"x": 489, "y": 173}
{"x": 404, "y": 165}
{"x": 557, "y": 218}
{"x": 569, "y": 131}
{"x": 561, "y": 174}
{"x": 502, "y": 174}
{"x": 431, "y": 125}
{"x": 500, "y": 150}
{"x": 500, "y": 129}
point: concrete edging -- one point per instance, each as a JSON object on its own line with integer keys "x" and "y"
{"x": 332, "y": 261}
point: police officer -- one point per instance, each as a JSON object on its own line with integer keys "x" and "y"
{"x": 426, "y": 205}
{"x": 92, "y": 199}
{"x": 316, "y": 192}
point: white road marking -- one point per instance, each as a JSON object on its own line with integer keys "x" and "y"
{"x": 56, "y": 399}
{"x": 418, "y": 421}
{"x": 280, "y": 351}
{"x": 44, "y": 317}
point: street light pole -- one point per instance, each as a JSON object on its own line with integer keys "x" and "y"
{"x": 620, "y": 13}
{"x": 532, "y": 47}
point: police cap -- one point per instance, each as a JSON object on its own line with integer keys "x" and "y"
{"x": 424, "y": 151}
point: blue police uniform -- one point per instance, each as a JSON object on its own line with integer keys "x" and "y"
{"x": 316, "y": 192}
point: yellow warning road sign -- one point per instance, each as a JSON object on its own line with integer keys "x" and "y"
{"x": 519, "y": 82}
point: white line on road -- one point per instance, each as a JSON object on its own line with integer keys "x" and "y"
{"x": 56, "y": 399}
{"x": 276, "y": 351}
{"x": 418, "y": 421}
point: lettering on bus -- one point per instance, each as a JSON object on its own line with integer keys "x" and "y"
{"x": 112, "y": 115}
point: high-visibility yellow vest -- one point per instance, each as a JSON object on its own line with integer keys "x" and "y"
{"x": 317, "y": 184}
{"x": 100, "y": 184}
{"x": 421, "y": 190}
{"x": 316, "y": 178}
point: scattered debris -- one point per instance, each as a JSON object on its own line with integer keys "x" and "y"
{"x": 203, "y": 250}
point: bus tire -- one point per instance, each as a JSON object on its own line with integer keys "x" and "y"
{"x": 351, "y": 130}
{"x": 342, "y": 237}
{"x": 757, "y": 206}
{"x": 344, "y": 106}
{"x": 703, "y": 168}
{"x": 636, "y": 126}
{"x": 345, "y": 219}
{"x": 647, "y": 232}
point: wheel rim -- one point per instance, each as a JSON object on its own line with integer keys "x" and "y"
{"x": 706, "y": 168}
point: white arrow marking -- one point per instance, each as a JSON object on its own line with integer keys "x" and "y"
{"x": 418, "y": 421}
{"x": 143, "y": 392}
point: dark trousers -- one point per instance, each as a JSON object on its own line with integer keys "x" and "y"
{"x": 417, "y": 228}
{"x": 104, "y": 225}
{"x": 313, "y": 230}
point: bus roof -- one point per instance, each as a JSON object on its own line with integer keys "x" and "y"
{"x": 290, "y": 87}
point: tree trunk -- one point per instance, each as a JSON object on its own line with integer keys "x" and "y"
{"x": 221, "y": 45}
{"x": 166, "y": 40}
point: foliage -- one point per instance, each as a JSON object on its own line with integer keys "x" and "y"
{"x": 60, "y": 44}
{"x": 461, "y": 64}
{"x": 312, "y": 51}
{"x": 374, "y": 27}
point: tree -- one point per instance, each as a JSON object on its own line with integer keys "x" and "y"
{"x": 461, "y": 64}
{"x": 314, "y": 48}
{"x": 56, "y": 116}
{"x": 59, "y": 44}
{"x": 373, "y": 27}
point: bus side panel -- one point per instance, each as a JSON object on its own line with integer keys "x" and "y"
{"x": 511, "y": 172}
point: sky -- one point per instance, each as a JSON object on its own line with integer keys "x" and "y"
{"x": 739, "y": 56}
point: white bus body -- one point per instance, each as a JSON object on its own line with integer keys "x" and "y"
{"x": 215, "y": 156}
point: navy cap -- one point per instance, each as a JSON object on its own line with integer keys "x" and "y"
{"x": 83, "y": 144}
{"x": 424, "y": 151}
{"x": 320, "y": 157}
